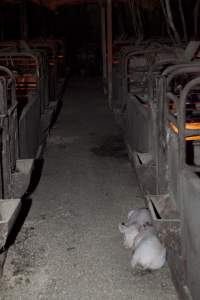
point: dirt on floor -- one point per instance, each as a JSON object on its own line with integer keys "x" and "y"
{"x": 69, "y": 247}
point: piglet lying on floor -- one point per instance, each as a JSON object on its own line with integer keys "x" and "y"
{"x": 140, "y": 237}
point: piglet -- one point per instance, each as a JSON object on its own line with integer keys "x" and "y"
{"x": 140, "y": 237}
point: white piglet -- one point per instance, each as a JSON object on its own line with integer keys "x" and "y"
{"x": 139, "y": 216}
{"x": 140, "y": 237}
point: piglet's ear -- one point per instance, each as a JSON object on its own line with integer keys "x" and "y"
{"x": 122, "y": 227}
{"x": 130, "y": 213}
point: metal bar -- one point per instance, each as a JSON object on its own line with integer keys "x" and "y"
{"x": 192, "y": 132}
{"x": 178, "y": 66}
{"x": 173, "y": 121}
{"x": 181, "y": 118}
{"x": 195, "y": 69}
{"x": 109, "y": 49}
{"x": 173, "y": 98}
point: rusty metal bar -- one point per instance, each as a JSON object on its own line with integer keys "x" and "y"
{"x": 109, "y": 50}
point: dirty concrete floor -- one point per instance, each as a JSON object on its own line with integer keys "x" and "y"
{"x": 69, "y": 246}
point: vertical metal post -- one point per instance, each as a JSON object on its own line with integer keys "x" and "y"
{"x": 103, "y": 42}
{"x": 23, "y": 20}
{"x": 109, "y": 50}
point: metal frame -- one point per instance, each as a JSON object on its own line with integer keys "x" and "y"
{"x": 158, "y": 153}
{"x": 9, "y": 131}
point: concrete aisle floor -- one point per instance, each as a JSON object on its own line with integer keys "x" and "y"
{"x": 69, "y": 246}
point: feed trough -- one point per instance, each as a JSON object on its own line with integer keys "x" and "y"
{"x": 9, "y": 210}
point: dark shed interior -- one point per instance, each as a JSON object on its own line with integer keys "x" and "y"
{"x": 99, "y": 119}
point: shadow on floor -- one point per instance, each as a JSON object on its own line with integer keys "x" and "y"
{"x": 57, "y": 113}
{"x": 111, "y": 146}
{"x": 60, "y": 101}
{"x": 26, "y": 203}
{"x": 25, "y": 208}
{"x": 35, "y": 177}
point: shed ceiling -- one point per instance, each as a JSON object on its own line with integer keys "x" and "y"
{"x": 54, "y": 4}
